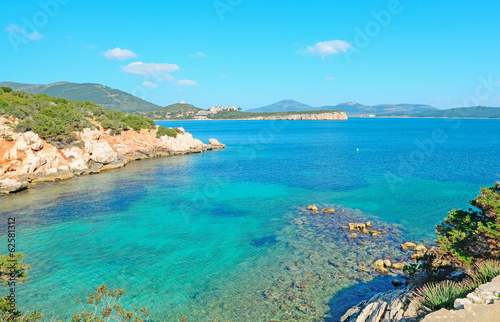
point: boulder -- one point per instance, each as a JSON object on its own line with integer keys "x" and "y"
{"x": 312, "y": 208}
{"x": 216, "y": 143}
{"x": 379, "y": 263}
{"x": 30, "y": 164}
{"x": 387, "y": 263}
{"x": 78, "y": 165}
{"x": 398, "y": 265}
{"x": 34, "y": 142}
{"x": 12, "y": 185}
{"x": 89, "y": 134}
{"x": 103, "y": 153}
{"x": 420, "y": 248}
{"x": 408, "y": 245}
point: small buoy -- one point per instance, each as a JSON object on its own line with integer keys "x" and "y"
{"x": 357, "y": 150}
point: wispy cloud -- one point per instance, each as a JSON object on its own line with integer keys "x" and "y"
{"x": 327, "y": 48}
{"x": 119, "y": 54}
{"x": 90, "y": 47}
{"x": 149, "y": 84}
{"x": 198, "y": 54}
{"x": 330, "y": 78}
{"x": 149, "y": 69}
{"x": 16, "y": 30}
{"x": 187, "y": 82}
{"x": 165, "y": 78}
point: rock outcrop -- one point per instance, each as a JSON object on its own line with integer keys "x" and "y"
{"x": 26, "y": 158}
{"x": 385, "y": 307}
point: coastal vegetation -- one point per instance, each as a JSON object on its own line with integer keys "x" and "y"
{"x": 54, "y": 119}
{"x": 467, "y": 254}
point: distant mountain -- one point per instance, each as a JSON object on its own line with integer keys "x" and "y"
{"x": 351, "y": 108}
{"x": 173, "y": 110}
{"x": 109, "y": 98}
{"x": 283, "y": 106}
{"x": 472, "y": 112}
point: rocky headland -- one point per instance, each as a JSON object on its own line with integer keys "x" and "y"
{"x": 27, "y": 159}
{"x": 330, "y": 116}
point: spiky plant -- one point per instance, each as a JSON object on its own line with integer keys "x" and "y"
{"x": 435, "y": 296}
{"x": 483, "y": 273}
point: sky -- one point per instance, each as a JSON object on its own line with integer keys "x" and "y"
{"x": 251, "y": 53}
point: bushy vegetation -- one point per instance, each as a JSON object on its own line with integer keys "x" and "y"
{"x": 167, "y": 131}
{"x": 474, "y": 234}
{"x": 467, "y": 256}
{"x": 54, "y": 119}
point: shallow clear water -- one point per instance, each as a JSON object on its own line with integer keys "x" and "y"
{"x": 216, "y": 235}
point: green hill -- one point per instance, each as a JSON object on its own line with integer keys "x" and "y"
{"x": 282, "y": 106}
{"x": 466, "y": 112}
{"x": 173, "y": 110}
{"x": 104, "y": 96}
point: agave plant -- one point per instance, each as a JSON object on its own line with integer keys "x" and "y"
{"x": 483, "y": 273}
{"x": 435, "y": 296}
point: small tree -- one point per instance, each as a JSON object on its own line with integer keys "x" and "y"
{"x": 474, "y": 234}
{"x": 105, "y": 306}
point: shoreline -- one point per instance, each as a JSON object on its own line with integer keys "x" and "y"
{"x": 29, "y": 159}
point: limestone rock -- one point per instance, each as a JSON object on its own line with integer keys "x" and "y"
{"x": 89, "y": 134}
{"x": 312, "y": 207}
{"x": 216, "y": 143}
{"x": 408, "y": 245}
{"x": 78, "y": 165}
{"x": 398, "y": 265}
{"x": 103, "y": 153}
{"x": 30, "y": 164}
{"x": 12, "y": 185}
{"x": 33, "y": 141}
{"x": 385, "y": 307}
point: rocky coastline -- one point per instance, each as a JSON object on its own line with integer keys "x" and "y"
{"x": 27, "y": 159}
{"x": 332, "y": 116}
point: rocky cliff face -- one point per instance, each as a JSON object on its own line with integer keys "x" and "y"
{"x": 331, "y": 116}
{"x": 26, "y": 158}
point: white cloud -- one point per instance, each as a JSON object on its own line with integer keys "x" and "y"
{"x": 198, "y": 54}
{"x": 149, "y": 84}
{"x": 16, "y": 30}
{"x": 149, "y": 69}
{"x": 330, "y": 78}
{"x": 178, "y": 90}
{"x": 187, "y": 82}
{"x": 119, "y": 54}
{"x": 165, "y": 78}
{"x": 90, "y": 47}
{"x": 327, "y": 48}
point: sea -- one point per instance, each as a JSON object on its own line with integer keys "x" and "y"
{"x": 226, "y": 234}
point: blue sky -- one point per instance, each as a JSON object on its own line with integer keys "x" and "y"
{"x": 251, "y": 53}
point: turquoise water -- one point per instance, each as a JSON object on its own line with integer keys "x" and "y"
{"x": 223, "y": 234}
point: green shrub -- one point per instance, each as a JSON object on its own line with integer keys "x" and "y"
{"x": 435, "y": 296}
{"x": 21, "y": 94}
{"x": 105, "y": 306}
{"x": 9, "y": 138}
{"x": 166, "y": 131}
{"x": 6, "y": 89}
{"x": 472, "y": 235}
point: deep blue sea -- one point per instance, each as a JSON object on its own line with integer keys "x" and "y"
{"x": 223, "y": 235}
